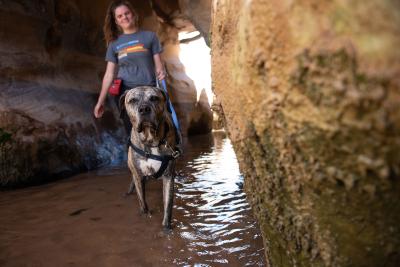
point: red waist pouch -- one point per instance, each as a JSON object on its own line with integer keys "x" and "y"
{"x": 115, "y": 87}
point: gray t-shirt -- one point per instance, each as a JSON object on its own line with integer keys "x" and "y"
{"x": 134, "y": 55}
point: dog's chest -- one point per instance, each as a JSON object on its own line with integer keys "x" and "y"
{"x": 149, "y": 166}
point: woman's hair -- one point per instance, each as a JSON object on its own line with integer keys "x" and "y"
{"x": 111, "y": 29}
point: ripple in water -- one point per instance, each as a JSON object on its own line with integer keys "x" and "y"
{"x": 218, "y": 225}
{"x": 85, "y": 221}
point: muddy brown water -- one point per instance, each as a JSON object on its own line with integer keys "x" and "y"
{"x": 86, "y": 221}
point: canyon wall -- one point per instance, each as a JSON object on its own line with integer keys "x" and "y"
{"x": 50, "y": 74}
{"x": 51, "y": 67}
{"x": 311, "y": 96}
{"x": 310, "y": 93}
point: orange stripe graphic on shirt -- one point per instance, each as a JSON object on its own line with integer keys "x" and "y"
{"x": 131, "y": 49}
{"x": 134, "y": 48}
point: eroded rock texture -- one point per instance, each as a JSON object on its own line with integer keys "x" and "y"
{"x": 311, "y": 96}
{"x": 51, "y": 66}
{"x": 50, "y": 74}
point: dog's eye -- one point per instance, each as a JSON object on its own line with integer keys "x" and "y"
{"x": 154, "y": 98}
{"x": 133, "y": 100}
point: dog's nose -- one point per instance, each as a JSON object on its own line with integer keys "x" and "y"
{"x": 144, "y": 109}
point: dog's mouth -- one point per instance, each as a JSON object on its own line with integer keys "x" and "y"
{"x": 146, "y": 125}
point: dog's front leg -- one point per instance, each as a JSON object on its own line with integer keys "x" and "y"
{"x": 168, "y": 194}
{"x": 140, "y": 189}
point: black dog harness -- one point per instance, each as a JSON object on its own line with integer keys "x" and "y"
{"x": 165, "y": 159}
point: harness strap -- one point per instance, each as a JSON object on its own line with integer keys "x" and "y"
{"x": 165, "y": 159}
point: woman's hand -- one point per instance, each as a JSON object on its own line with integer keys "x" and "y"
{"x": 107, "y": 80}
{"x": 160, "y": 73}
{"x": 98, "y": 110}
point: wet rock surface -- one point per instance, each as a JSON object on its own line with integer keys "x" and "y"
{"x": 53, "y": 136}
{"x": 311, "y": 99}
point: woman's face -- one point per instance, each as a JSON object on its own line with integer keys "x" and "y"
{"x": 124, "y": 18}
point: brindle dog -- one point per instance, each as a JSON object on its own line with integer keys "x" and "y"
{"x": 153, "y": 144}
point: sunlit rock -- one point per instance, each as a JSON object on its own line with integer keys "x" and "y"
{"x": 187, "y": 59}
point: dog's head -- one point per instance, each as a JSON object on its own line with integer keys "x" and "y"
{"x": 146, "y": 108}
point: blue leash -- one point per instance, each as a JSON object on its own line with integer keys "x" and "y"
{"x": 173, "y": 113}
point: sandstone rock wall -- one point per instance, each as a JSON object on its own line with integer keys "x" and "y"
{"x": 51, "y": 66}
{"x": 311, "y": 96}
{"x": 50, "y": 74}
{"x": 199, "y": 13}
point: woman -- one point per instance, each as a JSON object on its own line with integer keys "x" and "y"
{"x": 133, "y": 54}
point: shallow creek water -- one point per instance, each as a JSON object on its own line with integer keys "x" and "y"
{"x": 86, "y": 221}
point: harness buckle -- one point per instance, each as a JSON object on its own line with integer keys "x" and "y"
{"x": 176, "y": 154}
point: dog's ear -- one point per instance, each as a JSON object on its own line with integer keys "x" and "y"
{"x": 122, "y": 103}
{"x": 164, "y": 94}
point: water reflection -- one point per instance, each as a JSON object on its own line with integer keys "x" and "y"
{"x": 218, "y": 221}
{"x": 85, "y": 221}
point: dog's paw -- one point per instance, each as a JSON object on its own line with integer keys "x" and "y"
{"x": 164, "y": 233}
{"x": 146, "y": 212}
{"x": 167, "y": 229}
{"x": 149, "y": 214}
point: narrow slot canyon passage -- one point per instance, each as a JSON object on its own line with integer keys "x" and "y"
{"x": 290, "y": 117}
{"x": 85, "y": 219}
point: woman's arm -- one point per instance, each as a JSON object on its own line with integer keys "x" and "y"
{"x": 160, "y": 73}
{"x": 107, "y": 80}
